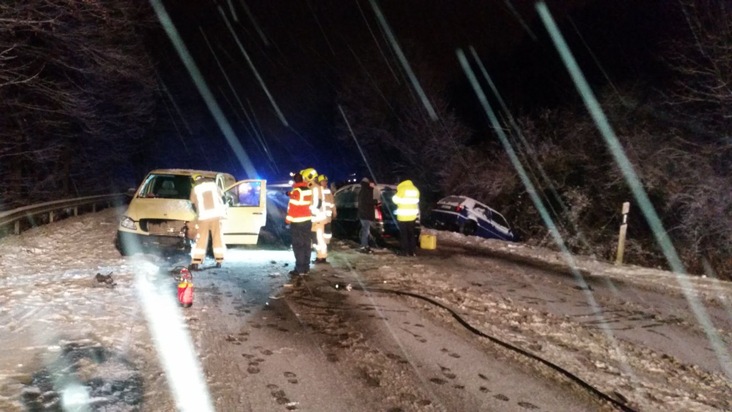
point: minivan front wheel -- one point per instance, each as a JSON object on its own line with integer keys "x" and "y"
{"x": 468, "y": 228}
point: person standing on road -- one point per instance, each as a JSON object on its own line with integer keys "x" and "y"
{"x": 367, "y": 201}
{"x": 406, "y": 200}
{"x": 325, "y": 212}
{"x": 299, "y": 219}
{"x": 317, "y": 212}
{"x": 207, "y": 201}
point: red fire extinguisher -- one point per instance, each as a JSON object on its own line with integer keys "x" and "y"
{"x": 185, "y": 288}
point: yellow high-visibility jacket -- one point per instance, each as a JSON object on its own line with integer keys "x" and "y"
{"x": 406, "y": 200}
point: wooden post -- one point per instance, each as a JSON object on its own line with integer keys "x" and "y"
{"x": 94, "y": 207}
{"x": 17, "y": 227}
{"x": 623, "y": 231}
{"x": 76, "y": 211}
{"x": 50, "y": 217}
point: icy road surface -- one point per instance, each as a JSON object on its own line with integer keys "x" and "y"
{"x": 264, "y": 343}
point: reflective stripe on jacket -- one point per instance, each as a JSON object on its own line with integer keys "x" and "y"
{"x": 328, "y": 205}
{"x": 206, "y": 197}
{"x": 317, "y": 209}
{"x": 298, "y": 208}
{"x": 406, "y": 200}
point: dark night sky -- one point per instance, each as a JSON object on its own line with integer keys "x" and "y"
{"x": 302, "y": 48}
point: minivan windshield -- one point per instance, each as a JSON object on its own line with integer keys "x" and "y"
{"x": 166, "y": 186}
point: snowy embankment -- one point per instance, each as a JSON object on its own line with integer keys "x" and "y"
{"x": 712, "y": 290}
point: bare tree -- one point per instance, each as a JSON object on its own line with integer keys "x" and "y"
{"x": 703, "y": 62}
{"x": 76, "y": 90}
{"x": 702, "y": 100}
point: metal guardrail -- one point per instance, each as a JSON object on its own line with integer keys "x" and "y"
{"x": 29, "y": 212}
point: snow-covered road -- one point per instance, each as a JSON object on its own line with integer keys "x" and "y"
{"x": 264, "y": 344}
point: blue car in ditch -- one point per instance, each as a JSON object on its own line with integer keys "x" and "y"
{"x": 469, "y": 217}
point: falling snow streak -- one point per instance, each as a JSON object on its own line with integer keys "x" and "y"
{"x": 238, "y": 116}
{"x": 233, "y": 12}
{"x": 320, "y": 26}
{"x": 639, "y": 193}
{"x": 254, "y": 69}
{"x": 183, "y": 371}
{"x": 403, "y": 61}
{"x": 378, "y": 45}
{"x": 254, "y": 22}
{"x": 203, "y": 89}
{"x": 255, "y": 133}
{"x": 254, "y": 123}
{"x": 509, "y": 5}
{"x": 365, "y": 160}
{"x": 372, "y": 80}
{"x": 531, "y": 190}
{"x": 172, "y": 119}
{"x": 177, "y": 129}
{"x": 597, "y": 62}
{"x": 172, "y": 101}
{"x": 523, "y": 143}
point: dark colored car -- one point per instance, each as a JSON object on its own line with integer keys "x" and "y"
{"x": 470, "y": 217}
{"x": 347, "y": 225}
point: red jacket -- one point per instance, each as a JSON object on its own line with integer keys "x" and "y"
{"x": 298, "y": 209}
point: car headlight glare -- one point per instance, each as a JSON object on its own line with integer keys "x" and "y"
{"x": 128, "y": 223}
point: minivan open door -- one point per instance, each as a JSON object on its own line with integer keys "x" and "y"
{"x": 247, "y": 212}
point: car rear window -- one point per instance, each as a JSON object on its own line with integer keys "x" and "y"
{"x": 449, "y": 202}
{"x": 347, "y": 198}
{"x": 386, "y": 198}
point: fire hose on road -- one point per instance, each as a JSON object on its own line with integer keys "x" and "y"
{"x": 569, "y": 375}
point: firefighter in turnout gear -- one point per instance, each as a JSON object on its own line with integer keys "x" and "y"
{"x": 208, "y": 204}
{"x": 406, "y": 200}
{"x": 299, "y": 219}
{"x": 325, "y": 215}
{"x": 317, "y": 213}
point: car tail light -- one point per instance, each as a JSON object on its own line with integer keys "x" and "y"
{"x": 377, "y": 213}
{"x": 458, "y": 208}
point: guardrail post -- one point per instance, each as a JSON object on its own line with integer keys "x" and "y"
{"x": 623, "y": 231}
{"x": 50, "y": 217}
{"x": 17, "y": 227}
{"x": 94, "y": 207}
{"x": 76, "y": 211}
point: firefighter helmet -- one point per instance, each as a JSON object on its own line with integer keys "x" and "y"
{"x": 309, "y": 174}
{"x": 322, "y": 178}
